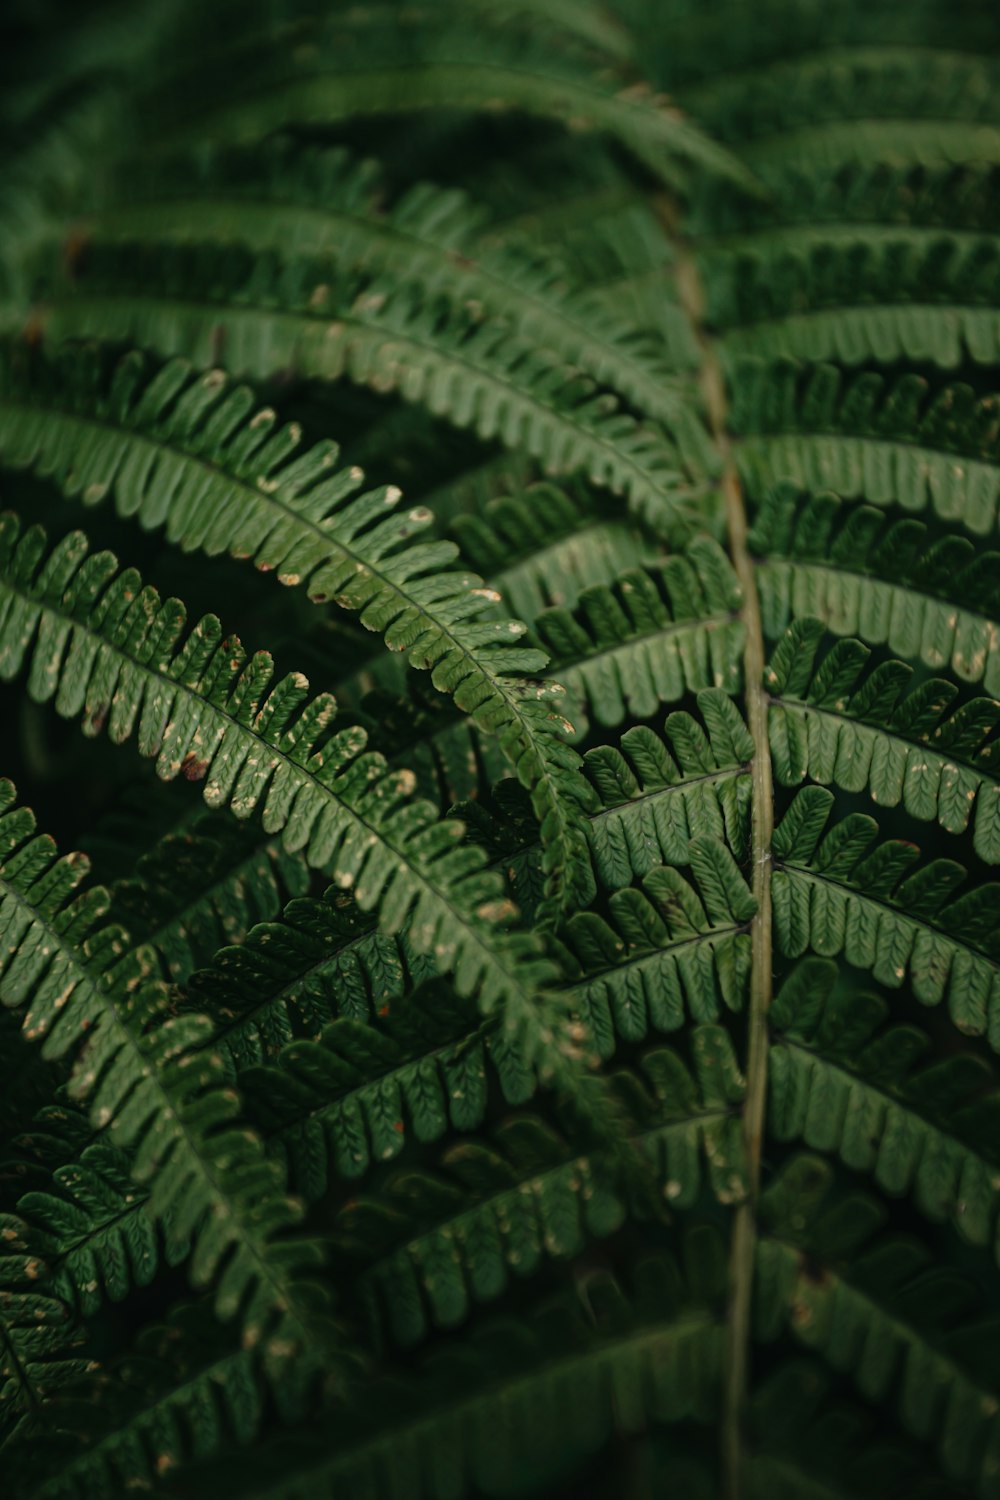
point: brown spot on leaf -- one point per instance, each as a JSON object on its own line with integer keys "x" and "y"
{"x": 193, "y": 769}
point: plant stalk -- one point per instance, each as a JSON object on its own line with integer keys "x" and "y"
{"x": 744, "y": 1240}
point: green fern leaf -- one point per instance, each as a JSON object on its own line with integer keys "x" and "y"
{"x": 178, "y": 1394}
{"x": 89, "y": 1218}
{"x": 38, "y": 1336}
{"x": 831, "y": 722}
{"x": 809, "y": 1445}
{"x": 322, "y": 960}
{"x": 887, "y": 583}
{"x": 824, "y": 108}
{"x": 184, "y": 452}
{"x": 843, "y": 1082}
{"x": 341, "y": 76}
{"x": 571, "y": 935}
{"x": 435, "y": 1245}
{"x": 890, "y": 1323}
{"x": 198, "y": 887}
{"x": 334, "y": 1107}
{"x": 655, "y": 1358}
{"x": 200, "y": 710}
{"x": 654, "y": 794}
{"x": 881, "y": 297}
{"x": 905, "y": 444}
{"x": 837, "y": 894}
{"x": 543, "y": 546}
{"x": 321, "y": 202}
{"x": 302, "y": 315}
{"x": 655, "y": 804}
{"x": 658, "y": 634}
{"x": 891, "y": 192}
{"x": 666, "y": 950}
{"x": 159, "y": 1091}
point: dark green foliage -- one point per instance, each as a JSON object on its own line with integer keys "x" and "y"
{"x": 859, "y": 730}
{"x": 913, "y": 443}
{"x": 518, "y": 1064}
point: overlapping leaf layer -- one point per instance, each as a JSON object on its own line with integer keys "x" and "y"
{"x": 555, "y": 1053}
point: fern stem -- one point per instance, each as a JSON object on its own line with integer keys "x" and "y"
{"x": 744, "y": 1241}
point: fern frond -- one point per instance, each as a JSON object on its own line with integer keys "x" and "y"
{"x": 667, "y": 950}
{"x": 48, "y": 975}
{"x": 267, "y": 315}
{"x": 659, "y": 633}
{"x": 43, "y": 173}
{"x": 892, "y": 1320}
{"x": 321, "y": 961}
{"x": 806, "y": 1445}
{"x": 87, "y": 1214}
{"x": 888, "y": 582}
{"x": 181, "y": 1393}
{"x": 335, "y": 1106}
{"x": 853, "y": 103}
{"x": 958, "y": 197}
{"x": 708, "y": 46}
{"x": 906, "y": 443}
{"x": 38, "y": 1336}
{"x": 838, "y": 724}
{"x": 339, "y": 76}
{"x": 840, "y": 895}
{"x": 654, "y": 794}
{"x": 553, "y": 929}
{"x": 613, "y": 1365}
{"x": 202, "y": 886}
{"x": 159, "y": 1091}
{"x": 476, "y": 483}
{"x": 588, "y": 215}
{"x": 843, "y": 1081}
{"x": 543, "y": 546}
{"x": 184, "y": 452}
{"x": 881, "y": 298}
{"x": 339, "y": 1102}
{"x": 436, "y": 1244}
{"x": 292, "y": 200}
{"x": 589, "y": 23}
{"x": 102, "y": 646}
{"x": 655, "y": 805}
